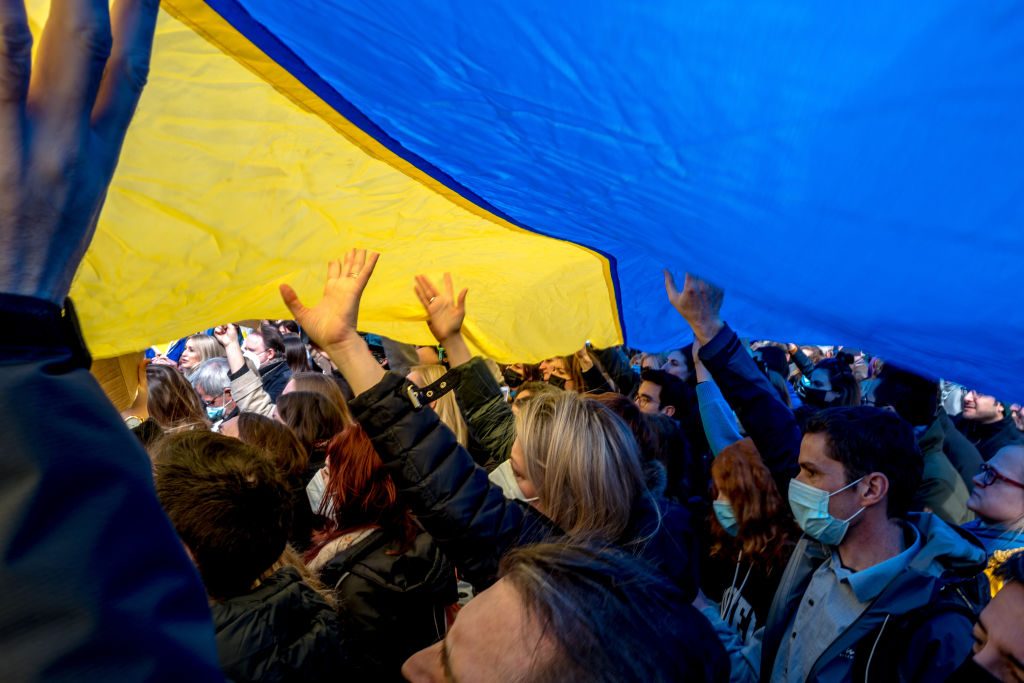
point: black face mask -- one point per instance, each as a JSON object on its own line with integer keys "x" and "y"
{"x": 556, "y": 382}
{"x": 970, "y": 672}
{"x": 511, "y": 378}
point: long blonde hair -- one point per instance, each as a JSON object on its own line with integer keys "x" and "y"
{"x": 583, "y": 462}
{"x": 446, "y": 407}
{"x": 207, "y": 347}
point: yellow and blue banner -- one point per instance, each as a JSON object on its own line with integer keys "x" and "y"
{"x": 849, "y": 173}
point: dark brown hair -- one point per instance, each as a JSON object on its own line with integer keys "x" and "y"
{"x": 277, "y": 439}
{"x": 228, "y": 503}
{"x": 314, "y": 418}
{"x": 319, "y": 383}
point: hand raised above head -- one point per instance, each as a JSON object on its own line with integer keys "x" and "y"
{"x": 226, "y": 335}
{"x": 445, "y": 311}
{"x": 700, "y": 304}
{"x": 332, "y": 322}
{"x": 62, "y": 123}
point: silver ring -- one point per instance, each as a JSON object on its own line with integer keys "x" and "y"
{"x": 353, "y": 274}
{"x": 431, "y": 299}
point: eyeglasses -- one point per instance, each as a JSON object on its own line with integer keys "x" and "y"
{"x": 989, "y": 476}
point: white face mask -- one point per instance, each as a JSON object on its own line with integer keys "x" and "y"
{"x": 503, "y": 477}
{"x": 252, "y": 358}
{"x": 315, "y": 490}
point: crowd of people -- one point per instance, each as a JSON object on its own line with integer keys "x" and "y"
{"x": 288, "y": 502}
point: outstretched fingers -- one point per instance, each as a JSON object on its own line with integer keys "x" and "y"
{"x": 291, "y": 300}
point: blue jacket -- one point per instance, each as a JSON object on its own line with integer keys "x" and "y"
{"x": 97, "y": 585}
{"x": 917, "y": 629}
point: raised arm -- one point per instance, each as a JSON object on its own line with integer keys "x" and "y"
{"x": 445, "y": 315}
{"x": 765, "y": 418}
{"x": 97, "y": 585}
{"x": 452, "y": 497}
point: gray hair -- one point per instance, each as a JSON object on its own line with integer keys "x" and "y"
{"x": 212, "y": 376}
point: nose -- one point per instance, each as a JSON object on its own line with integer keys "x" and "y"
{"x": 424, "y": 666}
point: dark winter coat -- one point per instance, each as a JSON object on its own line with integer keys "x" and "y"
{"x": 961, "y": 452}
{"x": 470, "y": 517}
{"x": 492, "y": 427}
{"x": 989, "y": 438}
{"x": 282, "y": 631}
{"x": 941, "y": 491}
{"x": 274, "y": 376}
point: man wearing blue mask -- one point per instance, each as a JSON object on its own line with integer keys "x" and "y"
{"x": 872, "y": 591}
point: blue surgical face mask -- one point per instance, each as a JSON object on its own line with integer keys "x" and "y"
{"x": 726, "y": 516}
{"x": 810, "y": 508}
{"x": 215, "y": 413}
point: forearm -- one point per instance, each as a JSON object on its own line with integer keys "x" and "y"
{"x": 356, "y": 364}
{"x": 720, "y": 426}
{"x": 458, "y": 352}
{"x": 236, "y": 361}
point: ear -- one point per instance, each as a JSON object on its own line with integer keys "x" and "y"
{"x": 669, "y": 410}
{"x": 876, "y": 489}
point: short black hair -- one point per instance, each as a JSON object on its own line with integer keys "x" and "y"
{"x": 273, "y": 340}
{"x": 913, "y": 397}
{"x": 673, "y": 389}
{"x": 866, "y": 439}
{"x": 228, "y": 503}
{"x": 585, "y": 597}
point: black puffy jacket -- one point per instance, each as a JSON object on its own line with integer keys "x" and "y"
{"x": 470, "y": 517}
{"x": 282, "y": 631}
{"x": 391, "y": 604}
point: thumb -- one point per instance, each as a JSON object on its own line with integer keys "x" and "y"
{"x": 291, "y": 300}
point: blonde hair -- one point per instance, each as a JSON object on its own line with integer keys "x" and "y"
{"x": 446, "y": 407}
{"x": 207, "y": 347}
{"x": 583, "y": 462}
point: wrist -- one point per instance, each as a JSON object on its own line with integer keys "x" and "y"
{"x": 453, "y": 338}
{"x": 706, "y": 330}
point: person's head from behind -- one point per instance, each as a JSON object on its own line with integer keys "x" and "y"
{"x": 229, "y": 505}
{"x": 574, "y": 614}
{"x": 276, "y": 440}
{"x": 771, "y": 357}
{"x": 749, "y": 507}
{"x": 998, "y": 646}
{"x": 446, "y": 407}
{"x": 528, "y": 390}
{"x": 265, "y": 345}
{"x": 856, "y": 464}
{"x": 913, "y": 397}
{"x": 314, "y": 418}
{"x": 982, "y": 408}
{"x": 660, "y": 392}
{"x": 319, "y": 383}
{"x": 652, "y": 361}
{"x": 295, "y": 353}
{"x": 831, "y": 384}
{"x": 580, "y": 461}
{"x": 172, "y": 401}
{"x": 198, "y": 347}
{"x": 360, "y": 491}
{"x": 998, "y": 495}
{"x": 286, "y": 327}
{"x": 212, "y": 382}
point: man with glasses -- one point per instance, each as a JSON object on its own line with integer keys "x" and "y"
{"x": 998, "y": 500}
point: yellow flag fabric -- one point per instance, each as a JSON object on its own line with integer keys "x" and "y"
{"x": 234, "y": 178}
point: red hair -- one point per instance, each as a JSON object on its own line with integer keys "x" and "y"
{"x": 360, "y": 493}
{"x": 766, "y": 527}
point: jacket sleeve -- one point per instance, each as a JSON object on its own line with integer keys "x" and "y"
{"x": 963, "y": 454}
{"x": 765, "y": 418}
{"x": 97, "y": 585}
{"x": 466, "y": 514}
{"x": 616, "y": 364}
{"x": 744, "y": 658}
{"x": 802, "y": 362}
{"x": 719, "y": 422}
{"x": 483, "y": 406}
{"x": 248, "y": 393}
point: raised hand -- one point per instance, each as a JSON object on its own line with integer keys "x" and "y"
{"x": 445, "y": 312}
{"x": 700, "y": 304}
{"x": 331, "y": 324}
{"x": 226, "y": 335}
{"x": 62, "y": 124}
